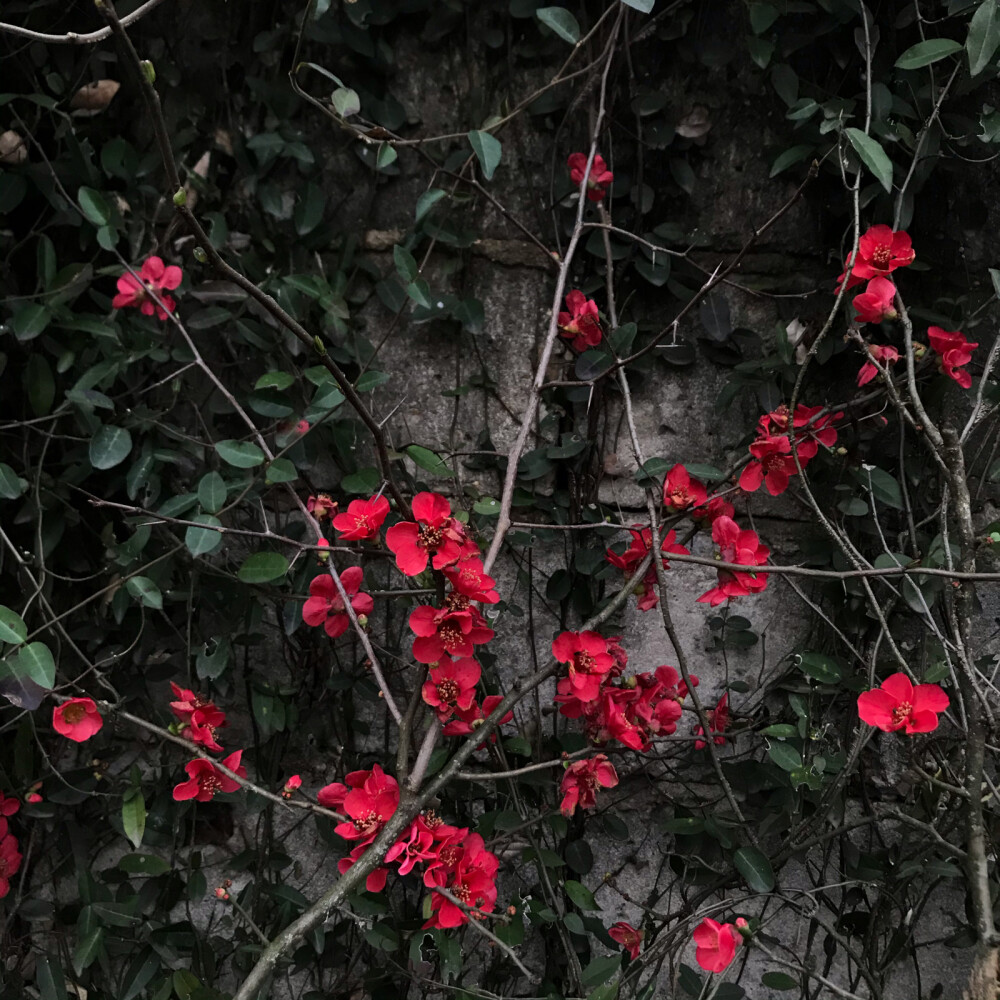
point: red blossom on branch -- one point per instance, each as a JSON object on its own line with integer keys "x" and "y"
{"x": 469, "y": 874}
{"x": 736, "y": 545}
{"x": 10, "y": 857}
{"x": 362, "y": 520}
{"x": 435, "y": 535}
{"x": 451, "y": 686}
{"x": 882, "y": 353}
{"x": 451, "y": 631}
{"x": 897, "y": 704}
{"x": 876, "y": 302}
{"x": 205, "y": 779}
{"x": 77, "y": 719}
{"x": 156, "y": 277}
{"x": 580, "y": 324}
{"x": 718, "y": 723}
{"x": 600, "y": 177}
{"x": 581, "y": 781}
{"x": 880, "y": 252}
{"x": 588, "y": 660}
{"x": 716, "y": 943}
{"x": 681, "y": 492}
{"x": 8, "y": 805}
{"x": 199, "y": 718}
{"x": 772, "y": 465}
{"x": 627, "y": 936}
{"x": 322, "y": 505}
{"x": 629, "y": 560}
{"x": 953, "y": 351}
{"x": 326, "y": 607}
{"x": 469, "y": 720}
{"x": 469, "y": 578}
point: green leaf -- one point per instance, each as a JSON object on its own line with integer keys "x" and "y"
{"x": 785, "y": 756}
{"x": 561, "y": 21}
{"x": 984, "y": 36}
{"x": 140, "y": 971}
{"x": 600, "y": 970}
{"x": 86, "y": 950}
{"x": 346, "y": 102}
{"x": 35, "y": 662}
{"x": 281, "y": 470}
{"x": 370, "y": 380}
{"x": 762, "y": 16}
{"x": 925, "y": 53}
{"x": 753, "y": 865}
{"x": 241, "y": 454}
{"x": 94, "y": 206}
{"x": 884, "y": 486}
{"x": 386, "y": 156}
{"x": 821, "y": 668}
{"x": 487, "y": 506}
{"x": 211, "y": 492}
{"x": 201, "y": 541}
{"x": 643, "y": 6}
{"x": 145, "y": 591}
{"x": 185, "y": 983}
{"x": 488, "y": 151}
{"x": 12, "y": 627}
{"x": 50, "y": 978}
{"x": 30, "y": 321}
{"x": 427, "y": 201}
{"x": 143, "y": 864}
{"x": 109, "y": 447}
{"x": 580, "y": 895}
{"x": 428, "y": 460}
{"x": 134, "y": 816}
{"x": 789, "y": 158}
{"x": 11, "y": 484}
{"x": 308, "y": 212}
{"x": 40, "y": 384}
{"x": 779, "y": 981}
{"x": 872, "y": 156}
{"x": 406, "y": 265}
{"x": 263, "y": 567}
{"x": 275, "y": 380}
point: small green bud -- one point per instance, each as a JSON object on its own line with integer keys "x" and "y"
{"x": 148, "y": 70}
{"x": 319, "y": 345}
{"x": 200, "y": 255}
{"x": 180, "y": 197}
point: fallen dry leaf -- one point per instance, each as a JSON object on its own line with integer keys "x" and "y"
{"x": 94, "y": 97}
{"x": 695, "y": 124}
{"x": 13, "y": 149}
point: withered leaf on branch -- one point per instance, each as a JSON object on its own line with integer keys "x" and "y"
{"x": 94, "y": 97}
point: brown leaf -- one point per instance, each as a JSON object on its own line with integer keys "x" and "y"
{"x": 695, "y": 124}
{"x": 94, "y": 96}
{"x": 13, "y": 149}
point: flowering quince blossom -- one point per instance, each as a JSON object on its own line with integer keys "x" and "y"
{"x": 77, "y": 719}
{"x": 716, "y": 943}
{"x": 10, "y": 857}
{"x": 880, "y": 252}
{"x": 897, "y": 704}
{"x": 627, "y": 936}
{"x": 468, "y": 577}
{"x": 718, "y": 723}
{"x": 469, "y": 873}
{"x": 772, "y": 465}
{"x": 469, "y": 720}
{"x": 322, "y": 505}
{"x": 600, "y": 177}
{"x": 199, "y": 718}
{"x": 449, "y": 631}
{"x": 362, "y": 520}
{"x": 681, "y": 492}
{"x": 882, "y": 353}
{"x": 8, "y": 805}
{"x": 629, "y": 561}
{"x": 588, "y": 659}
{"x": 293, "y": 784}
{"x": 326, "y": 607}
{"x": 205, "y": 779}
{"x": 155, "y": 277}
{"x": 452, "y": 685}
{"x": 580, "y": 324}
{"x": 736, "y": 545}
{"x": 954, "y": 351}
{"x": 581, "y": 781}
{"x": 421, "y": 841}
{"x": 876, "y": 302}
{"x": 713, "y": 510}
{"x": 436, "y": 535}
{"x": 810, "y": 429}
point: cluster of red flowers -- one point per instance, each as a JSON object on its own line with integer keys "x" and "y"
{"x": 741, "y": 546}
{"x": 581, "y": 781}
{"x": 580, "y": 324}
{"x": 456, "y": 860}
{"x": 154, "y": 276}
{"x": 598, "y": 180}
{"x": 953, "y": 351}
{"x": 718, "y": 723}
{"x": 628, "y": 562}
{"x": 10, "y": 856}
{"x": 632, "y": 710}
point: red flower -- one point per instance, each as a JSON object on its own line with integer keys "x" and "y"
{"x": 876, "y": 302}
{"x": 436, "y": 532}
{"x": 8, "y": 805}
{"x": 880, "y": 252}
{"x": 321, "y": 505}
{"x": 293, "y": 784}
{"x": 77, "y": 719}
{"x": 882, "y": 353}
{"x": 680, "y": 491}
{"x": 897, "y": 704}
{"x": 736, "y": 545}
{"x": 471, "y": 879}
{"x": 10, "y": 858}
{"x": 199, "y": 719}
{"x": 772, "y": 465}
{"x": 421, "y": 841}
{"x": 713, "y": 510}
{"x": 468, "y": 577}
{"x": 469, "y": 720}
{"x": 451, "y": 686}
{"x": 627, "y": 936}
{"x": 155, "y": 277}
{"x": 369, "y": 806}
{"x": 326, "y": 607}
{"x": 581, "y": 781}
{"x": 629, "y": 561}
{"x": 444, "y": 632}
{"x": 581, "y": 325}
{"x": 718, "y": 723}
{"x": 954, "y": 351}
{"x": 716, "y": 944}
{"x": 588, "y": 658}
{"x": 362, "y": 519}
{"x": 600, "y": 177}
{"x": 205, "y": 779}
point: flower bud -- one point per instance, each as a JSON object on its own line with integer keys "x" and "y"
{"x": 200, "y": 255}
{"x": 363, "y": 621}
{"x": 148, "y": 70}
{"x": 180, "y": 197}
{"x": 919, "y": 350}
